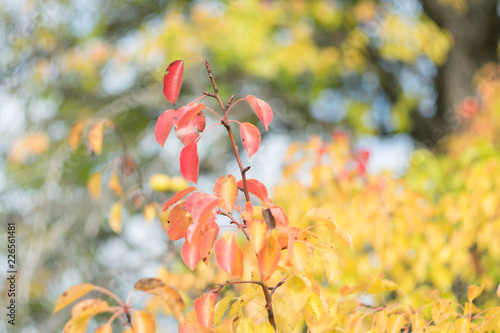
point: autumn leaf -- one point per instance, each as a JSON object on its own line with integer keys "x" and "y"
{"x": 163, "y": 126}
{"x": 474, "y": 291}
{"x": 220, "y": 309}
{"x": 191, "y": 254}
{"x": 204, "y": 307}
{"x": 229, "y": 256}
{"x": 225, "y": 188}
{"x": 200, "y": 206}
{"x": 115, "y": 217}
{"x": 189, "y": 122}
{"x": 190, "y": 162}
{"x": 172, "y": 81}
{"x": 143, "y": 322}
{"x": 114, "y": 184}
{"x": 75, "y": 135}
{"x": 173, "y": 300}
{"x": 179, "y": 219}
{"x": 279, "y": 216}
{"x": 262, "y": 109}
{"x": 72, "y": 294}
{"x": 148, "y": 284}
{"x": 178, "y": 196}
{"x": 269, "y": 257}
{"x": 250, "y": 137}
{"x": 96, "y": 135}
{"x": 258, "y": 231}
{"x": 395, "y": 323}
{"x": 106, "y": 328}
{"x": 94, "y": 185}
{"x": 89, "y": 308}
{"x": 207, "y": 243}
{"x": 256, "y": 188}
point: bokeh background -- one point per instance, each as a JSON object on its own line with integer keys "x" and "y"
{"x": 394, "y": 75}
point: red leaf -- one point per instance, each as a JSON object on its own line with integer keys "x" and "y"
{"x": 229, "y": 256}
{"x": 184, "y": 114}
{"x": 207, "y": 243}
{"x": 163, "y": 126}
{"x": 172, "y": 81}
{"x": 256, "y": 188}
{"x": 204, "y": 307}
{"x": 262, "y": 109}
{"x": 200, "y": 206}
{"x": 178, "y": 196}
{"x": 189, "y": 122}
{"x": 250, "y": 137}
{"x": 191, "y": 254}
{"x": 225, "y": 188}
{"x": 190, "y": 162}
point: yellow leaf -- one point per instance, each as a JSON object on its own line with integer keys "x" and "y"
{"x": 76, "y": 325}
{"x": 327, "y": 216}
{"x": 96, "y": 137}
{"x": 89, "y": 307}
{"x": 148, "y": 284}
{"x": 333, "y": 262}
{"x": 104, "y": 329}
{"x": 240, "y": 303}
{"x": 75, "y": 135}
{"x": 149, "y": 212}
{"x": 258, "y": 231}
{"x": 72, "y": 294}
{"x": 462, "y": 325}
{"x": 264, "y": 327}
{"x": 159, "y": 182}
{"x": 143, "y": 322}
{"x": 174, "y": 301}
{"x": 114, "y": 184}
{"x": 381, "y": 320}
{"x": 94, "y": 185}
{"x": 395, "y": 323}
{"x": 115, "y": 217}
{"x": 220, "y": 309}
{"x": 474, "y": 291}
{"x": 246, "y": 325}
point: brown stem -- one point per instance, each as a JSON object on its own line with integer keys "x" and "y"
{"x": 269, "y": 306}
{"x": 233, "y": 220}
{"x": 222, "y": 285}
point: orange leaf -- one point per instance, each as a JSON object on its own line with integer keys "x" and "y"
{"x": 190, "y": 162}
{"x": 94, "y": 185}
{"x": 89, "y": 308}
{"x": 207, "y": 243}
{"x": 229, "y": 256}
{"x": 75, "y": 135}
{"x": 262, "y": 109}
{"x": 250, "y": 137}
{"x": 191, "y": 254}
{"x": 114, "y": 184}
{"x": 256, "y": 188}
{"x": 143, "y": 322}
{"x": 104, "y": 329}
{"x": 269, "y": 257}
{"x": 178, "y": 222}
{"x": 163, "y": 126}
{"x": 204, "y": 307}
{"x": 172, "y": 81}
{"x": 279, "y": 216}
{"x": 72, "y": 294}
{"x": 178, "y": 196}
{"x": 258, "y": 231}
{"x": 225, "y": 188}
{"x": 327, "y": 216}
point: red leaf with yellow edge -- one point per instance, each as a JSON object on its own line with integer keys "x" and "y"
{"x": 258, "y": 231}
{"x": 104, "y": 329}
{"x": 191, "y": 254}
{"x": 200, "y": 205}
{"x": 229, "y": 256}
{"x": 143, "y": 322}
{"x": 261, "y": 109}
{"x": 72, "y": 294}
{"x": 172, "y": 81}
{"x": 190, "y": 162}
{"x": 256, "y": 188}
{"x": 179, "y": 219}
{"x": 189, "y": 122}
{"x": 327, "y": 216}
{"x": 268, "y": 258}
{"x": 204, "y": 307}
{"x": 250, "y": 137}
{"x": 225, "y": 188}
{"x": 279, "y": 216}
{"x": 163, "y": 126}
{"x": 75, "y": 135}
{"x": 178, "y": 196}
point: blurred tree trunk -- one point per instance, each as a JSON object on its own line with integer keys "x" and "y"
{"x": 475, "y": 32}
